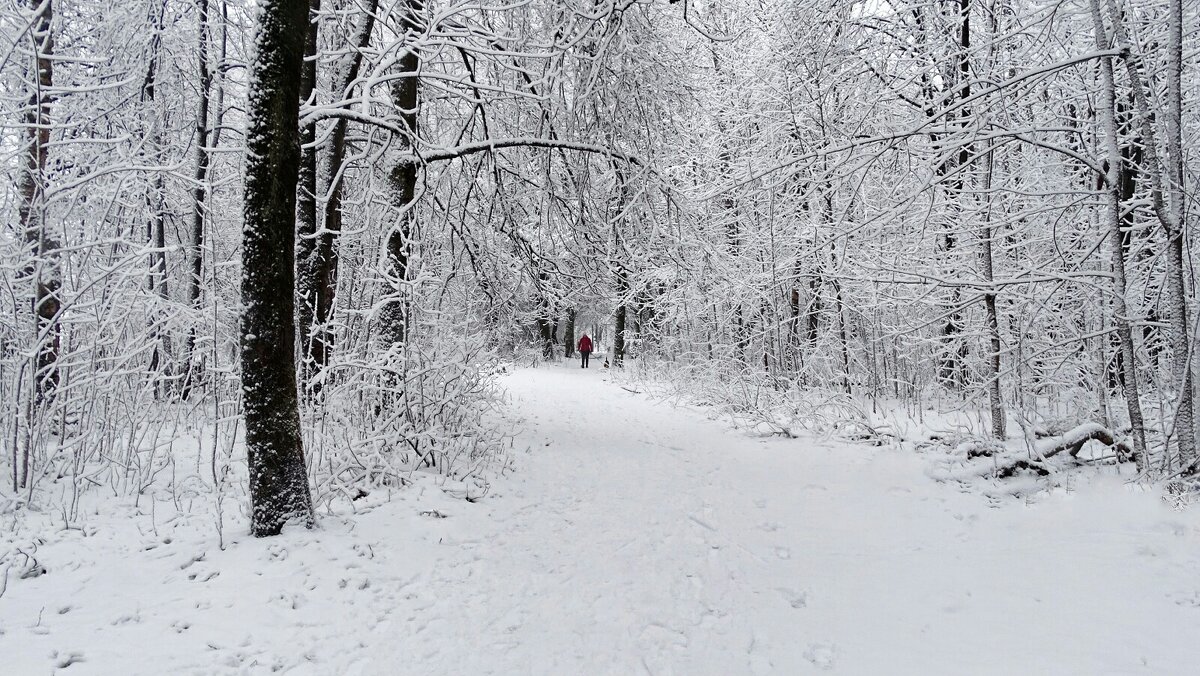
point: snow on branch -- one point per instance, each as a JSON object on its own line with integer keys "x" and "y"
{"x": 496, "y": 144}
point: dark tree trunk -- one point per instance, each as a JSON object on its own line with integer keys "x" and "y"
{"x": 318, "y": 266}
{"x": 199, "y": 194}
{"x": 395, "y": 313}
{"x": 546, "y": 332}
{"x": 569, "y": 334}
{"x": 952, "y": 361}
{"x": 156, "y": 227}
{"x": 306, "y": 204}
{"x": 619, "y": 332}
{"x": 812, "y": 311}
{"x": 42, "y": 247}
{"x": 843, "y": 340}
{"x": 278, "y": 480}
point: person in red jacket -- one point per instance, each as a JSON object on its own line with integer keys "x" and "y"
{"x": 585, "y": 350}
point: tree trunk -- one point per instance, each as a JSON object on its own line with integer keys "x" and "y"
{"x": 1112, "y": 189}
{"x": 1176, "y": 229}
{"x": 619, "y": 332}
{"x": 569, "y": 334}
{"x": 1169, "y": 211}
{"x": 619, "y": 269}
{"x": 394, "y": 315}
{"x": 844, "y": 342}
{"x": 318, "y": 266}
{"x": 952, "y": 368}
{"x": 279, "y": 489}
{"x": 43, "y": 248}
{"x": 199, "y": 193}
{"x": 155, "y": 201}
{"x": 546, "y": 331}
{"x": 306, "y": 204}
{"x": 995, "y": 398}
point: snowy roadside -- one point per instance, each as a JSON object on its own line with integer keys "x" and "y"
{"x": 633, "y": 538}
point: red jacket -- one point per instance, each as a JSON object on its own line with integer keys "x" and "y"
{"x": 585, "y": 344}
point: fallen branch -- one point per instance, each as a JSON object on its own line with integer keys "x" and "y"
{"x": 1072, "y": 442}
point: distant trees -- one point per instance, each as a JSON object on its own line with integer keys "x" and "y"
{"x": 942, "y": 201}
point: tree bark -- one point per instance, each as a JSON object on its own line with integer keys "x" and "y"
{"x": 569, "y": 334}
{"x": 1169, "y": 211}
{"x": 1113, "y": 220}
{"x": 618, "y": 359}
{"x": 279, "y": 489}
{"x": 306, "y": 204}
{"x": 1176, "y": 229}
{"x": 952, "y": 369}
{"x": 199, "y": 192}
{"x": 995, "y": 398}
{"x": 42, "y": 247}
{"x": 395, "y": 313}
{"x": 156, "y": 227}
{"x": 317, "y": 267}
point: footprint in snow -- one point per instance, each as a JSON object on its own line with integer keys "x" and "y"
{"x": 66, "y": 659}
{"x": 795, "y": 599}
{"x": 783, "y": 552}
{"x": 822, "y": 655}
{"x": 1188, "y": 600}
{"x": 202, "y": 576}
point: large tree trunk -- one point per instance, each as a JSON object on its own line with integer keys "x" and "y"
{"x": 1113, "y": 220}
{"x": 278, "y": 481}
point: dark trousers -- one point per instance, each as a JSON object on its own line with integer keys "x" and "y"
{"x": 585, "y": 356}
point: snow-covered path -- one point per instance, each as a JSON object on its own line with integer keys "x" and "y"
{"x": 648, "y": 539}
{"x": 639, "y": 538}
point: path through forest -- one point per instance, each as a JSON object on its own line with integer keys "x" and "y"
{"x": 634, "y": 537}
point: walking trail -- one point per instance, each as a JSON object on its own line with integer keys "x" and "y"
{"x": 634, "y": 537}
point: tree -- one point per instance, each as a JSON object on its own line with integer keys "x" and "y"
{"x": 1167, "y": 198}
{"x": 200, "y": 189}
{"x": 1113, "y": 220}
{"x": 43, "y": 247}
{"x": 279, "y": 489}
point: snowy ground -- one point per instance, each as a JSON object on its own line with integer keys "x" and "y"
{"x": 637, "y": 538}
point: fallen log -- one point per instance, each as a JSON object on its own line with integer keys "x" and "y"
{"x": 1072, "y": 442}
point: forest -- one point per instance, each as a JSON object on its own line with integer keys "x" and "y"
{"x": 277, "y": 262}
{"x": 317, "y": 228}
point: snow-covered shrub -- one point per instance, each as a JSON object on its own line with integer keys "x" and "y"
{"x": 431, "y": 405}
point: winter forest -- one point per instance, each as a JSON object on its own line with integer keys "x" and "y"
{"x": 892, "y": 306}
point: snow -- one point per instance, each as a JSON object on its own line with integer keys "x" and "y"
{"x": 632, "y": 537}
